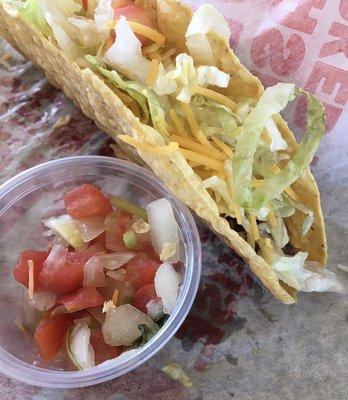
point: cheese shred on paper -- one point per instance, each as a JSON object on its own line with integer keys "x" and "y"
{"x": 185, "y": 106}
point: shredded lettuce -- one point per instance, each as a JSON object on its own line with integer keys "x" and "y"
{"x": 31, "y": 11}
{"x": 296, "y": 272}
{"x": 279, "y": 232}
{"x": 276, "y": 184}
{"x": 185, "y": 75}
{"x": 308, "y": 221}
{"x": 87, "y": 32}
{"x": 293, "y": 272}
{"x": 213, "y": 117}
{"x": 282, "y": 206}
{"x": 219, "y": 186}
{"x": 70, "y": 48}
{"x": 91, "y": 32}
{"x": 146, "y": 98}
{"x": 271, "y": 102}
{"x": 264, "y": 159}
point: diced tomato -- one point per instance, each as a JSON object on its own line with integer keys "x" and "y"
{"x": 102, "y": 351}
{"x": 143, "y": 296}
{"x": 120, "y": 3}
{"x": 117, "y": 223}
{"x": 86, "y": 201}
{"x": 141, "y": 270}
{"x": 84, "y": 298}
{"x": 21, "y": 269}
{"x": 135, "y": 13}
{"x": 67, "y": 278}
{"x": 50, "y": 334}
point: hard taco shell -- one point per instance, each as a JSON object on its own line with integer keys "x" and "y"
{"x": 100, "y": 103}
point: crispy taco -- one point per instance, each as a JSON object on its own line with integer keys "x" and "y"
{"x": 164, "y": 83}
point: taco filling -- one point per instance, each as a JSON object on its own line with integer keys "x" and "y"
{"x": 232, "y": 144}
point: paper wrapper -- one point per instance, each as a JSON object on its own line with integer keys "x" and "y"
{"x": 237, "y": 342}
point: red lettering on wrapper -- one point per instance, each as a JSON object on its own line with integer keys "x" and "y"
{"x": 332, "y": 114}
{"x": 336, "y": 46}
{"x": 331, "y": 77}
{"x": 300, "y": 20}
{"x": 266, "y": 80}
{"x": 236, "y": 28}
{"x": 344, "y": 9}
{"x": 271, "y": 44}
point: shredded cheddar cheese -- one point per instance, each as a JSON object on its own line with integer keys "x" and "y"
{"x": 193, "y": 145}
{"x": 158, "y": 151}
{"x": 288, "y": 190}
{"x": 292, "y": 194}
{"x": 141, "y": 29}
{"x": 115, "y": 296}
{"x": 272, "y": 218}
{"x": 108, "y": 305}
{"x": 233, "y": 206}
{"x": 150, "y": 49}
{"x": 254, "y": 229}
{"x": 124, "y": 97}
{"x": 202, "y": 159}
{"x": 193, "y": 124}
{"x": 31, "y": 279}
{"x": 178, "y": 124}
{"x": 170, "y": 128}
{"x": 266, "y": 249}
{"x": 257, "y": 182}
{"x": 151, "y": 79}
{"x": 133, "y": 106}
{"x": 150, "y": 33}
{"x": 236, "y": 212}
{"x": 220, "y": 98}
{"x": 266, "y": 137}
{"x": 155, "y": 55}
{"x": 203, "y": 174}
{"x": 168, "y": 53}
{"x": 251, "y": 239}
{"x": 205, "y": 142}
{"x": 163, "y": 126}
{"x": 223, "y": 146}
{"x": 275, "y": 169}
{"x": 194, "y": 164}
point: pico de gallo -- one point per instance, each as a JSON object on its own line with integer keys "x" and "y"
{"x": 108, "y": 280}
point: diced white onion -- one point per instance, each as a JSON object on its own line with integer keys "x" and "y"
{"x": 121, "y": 325}
{"x": 94, "y": 275}
{"x": 115, "y": 260}
{"x": 167, "y": 282}
{"x": 164, "y": 228}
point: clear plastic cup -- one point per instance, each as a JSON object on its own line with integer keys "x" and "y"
{"x": 37, "y": 193}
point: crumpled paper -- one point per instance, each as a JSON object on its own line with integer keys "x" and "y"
{"x": 237, "y": 341}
